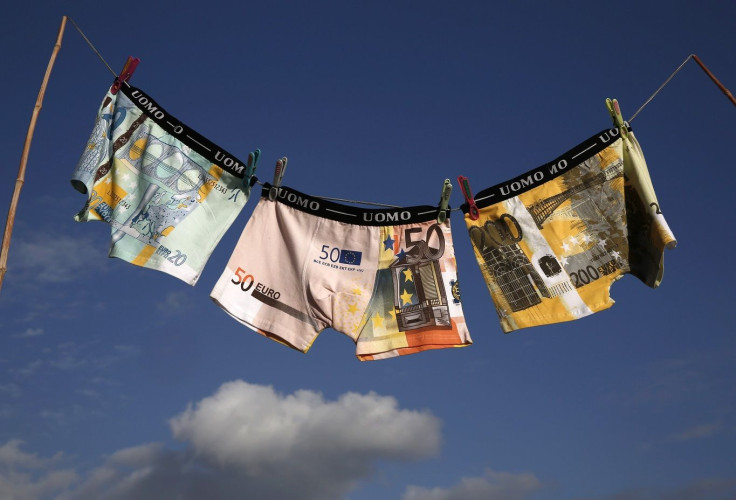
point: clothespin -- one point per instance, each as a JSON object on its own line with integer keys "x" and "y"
{"x": 468, "y": 194}
{"x": 615, "y": 111}
{"x": 444, "y": 200}
{"x": 250, "y": 169}
{"x": 277, "y": 178}
{"x": 130, "y": 65}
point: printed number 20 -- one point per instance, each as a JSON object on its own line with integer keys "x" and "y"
{"x": 178, "y": 259}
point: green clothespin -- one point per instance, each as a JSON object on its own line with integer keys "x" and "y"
{"x": 250, "y": 169}
{"x": 615, "y": 112}
{"x": 444, "y": 200}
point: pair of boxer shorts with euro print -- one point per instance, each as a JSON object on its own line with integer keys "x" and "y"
{"x": 551, "y": 241}
{"x": 386, "y": 278}
{"x": 167, "y": 192}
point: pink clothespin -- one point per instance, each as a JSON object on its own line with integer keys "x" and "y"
{"x": 278, "y": 176}
{"x": 130, "y": 65}
{"x": 468, "y": 195}
{"x": 618, "y": 120}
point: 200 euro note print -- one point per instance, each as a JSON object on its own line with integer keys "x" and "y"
{"x": 552, "y": 241}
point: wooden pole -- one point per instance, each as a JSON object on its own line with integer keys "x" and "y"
{"x": 24, "y": 157}
{"x": 715, "y": 80}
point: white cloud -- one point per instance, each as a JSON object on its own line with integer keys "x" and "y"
{"x": 491, "y": 486}
{"x": 80, "y": 256}
{"x": 11, "y": 455}
{"x": 68, "y": 415}
{"x": 708, "y": 488}
{"x": 30, "y": 332}
{"x": 704, "y": 489}
{"x": 22, "y": 486}
{"x": 128, "y": 349}
{"x": 7, "y": 411}
{"x": 130, "y": 457}
{"x": 175, "y": 302}
{"x": 668, "y": 382}
{"x": 248, "y": 441}
{"x": 30, "y": 368}
{"x": 697, "y": 432}
{"x": 70, "y": 356}
{"x": 253, "y": 426}
{"x": 12, "y": 389}
{"x": 68, "y": 362}
{"x": 90, "y": 393}
{"x": 23, "y": 475}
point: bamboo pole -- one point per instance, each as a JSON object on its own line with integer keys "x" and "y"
{"x": 24, "y": 157}
{"x": 715, "y": 80}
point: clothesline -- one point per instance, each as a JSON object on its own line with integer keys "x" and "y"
{"x": 533, "y": 267}
{"x": 547, "y": 248}
{"x": 691, "y": 56}
{"x": 94, "y": 49}
{"x": 707, "y": 72}
{"x": 354, "y": 201}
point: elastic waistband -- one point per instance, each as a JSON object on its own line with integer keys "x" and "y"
{"x": 176, "y": 128}
{"x": 538, "y": 176}
{"x": 353, "y": 215}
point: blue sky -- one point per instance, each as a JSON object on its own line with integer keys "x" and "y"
{"x": 118, "y": 382}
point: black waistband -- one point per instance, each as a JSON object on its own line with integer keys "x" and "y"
{"x": 546, "y": 172}
{"x": 353, "y": 215}
{"x": 176, "y": 128}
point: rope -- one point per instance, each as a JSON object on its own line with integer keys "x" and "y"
{"x": 707, "y": 72}
{"x": 360, "y": 202}
{"x": 92, "y": 47}
{"x": 691, "y": 56}
{"x": 349, "y": 201}
{"x": 661, "y": 87}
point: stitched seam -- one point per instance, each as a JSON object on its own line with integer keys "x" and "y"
{"x": 304, "y": 282}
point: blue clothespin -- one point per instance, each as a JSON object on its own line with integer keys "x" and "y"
{"x": 468, "y": 195}
{"x": 444, "y": 200}
{"x": 130, "y": 65}
{"x": 618, "y": 119}
{"x": 277, "y": 178}
{"x": 249, "y": 179}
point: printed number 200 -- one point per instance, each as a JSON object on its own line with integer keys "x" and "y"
{"x": 244, "y": 280}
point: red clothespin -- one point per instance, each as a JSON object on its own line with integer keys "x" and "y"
{"x": 468, "y": 195}
{"x": 130, "y": 65}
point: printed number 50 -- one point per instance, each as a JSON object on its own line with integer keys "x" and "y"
{"x": 424, "y": 250}
{"x": 331, "y": 255}
{"x": 244, "y": 280}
